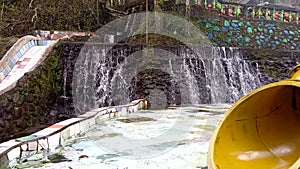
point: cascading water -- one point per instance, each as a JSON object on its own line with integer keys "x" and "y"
{"x": 229, "y": 76}
{"x": 192, "y": 81}
{"x": 84, "y": 79}
{"x": 206, "y": 75}
{"x": 103, "y": 87}
{"x": 123, "y": 29}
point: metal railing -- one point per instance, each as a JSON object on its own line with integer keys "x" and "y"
{"x": 267, "y": 12}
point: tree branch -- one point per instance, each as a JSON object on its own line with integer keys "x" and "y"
{"x": 35, "y": 16}
{"x": 30, "y": 4}
{"x": 2, "y": 10}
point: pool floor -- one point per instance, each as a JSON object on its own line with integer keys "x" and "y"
{"x": 177, "y": 137}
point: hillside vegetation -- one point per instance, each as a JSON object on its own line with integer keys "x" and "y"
{"x": 20, "y": 17}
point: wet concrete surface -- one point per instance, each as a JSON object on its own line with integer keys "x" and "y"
{"x": 173, "y": 138}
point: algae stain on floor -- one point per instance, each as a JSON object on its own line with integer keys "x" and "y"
{"x": 136, "y": 119}
{"x": 206, "y": 127}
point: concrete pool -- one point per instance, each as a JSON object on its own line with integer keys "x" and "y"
{"x": 176, "y": 137}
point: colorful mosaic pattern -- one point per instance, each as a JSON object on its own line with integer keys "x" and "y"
{"x": 278, "y": 13}
{"x": 251, "y": 33}
{"x": 22, "y": 62}
{"x": 54, "y": 35}
{"x": 13, "y": 61}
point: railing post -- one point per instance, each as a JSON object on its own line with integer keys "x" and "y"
{"x": 253, "y": 12}
{"x": 228, "y": 9}
{"x": 245, "y": 11}
{"x": 274, "y": 14}
{"x": 259, "y": 13}
{"x": 239, "y": 10}
{"x": 268, "y": 14}
{"x": 290, "y": 16}
{"x": 222, "y": 9}
{"x": 282, "y": 15}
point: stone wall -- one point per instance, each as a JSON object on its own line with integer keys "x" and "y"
{"x": 232, "y": 24}
{"x": 274, "y": 65}
{"x": 27, "y": 104}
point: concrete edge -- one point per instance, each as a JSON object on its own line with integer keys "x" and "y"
{"x": 56, "y": 134}
{"x": 44, "y": 55}
{"x": 14, "y": 49}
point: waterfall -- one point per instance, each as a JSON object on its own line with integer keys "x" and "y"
{"x": 230, "y": 76}
{"x": 65, "y": 74}
{"x": 84, "y": 79}
{"x": 197, "y": 75}
{"x": 189, "y": 76}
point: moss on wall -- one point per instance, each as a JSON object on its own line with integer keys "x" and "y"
{"x": 153, "y": 40}
{"x": 26, "y": 105}
{"x": 274, "y": 65}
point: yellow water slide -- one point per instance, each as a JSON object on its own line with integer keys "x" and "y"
{"x": 261, "y": 130}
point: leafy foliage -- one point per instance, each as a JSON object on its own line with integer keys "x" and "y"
{"x": 19, "y": 17}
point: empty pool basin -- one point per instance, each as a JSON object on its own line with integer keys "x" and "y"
{"x": 261, "y": 130}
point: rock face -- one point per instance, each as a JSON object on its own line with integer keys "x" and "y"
{"x": 155, "y": 82}
{"x": 274, "y": 65}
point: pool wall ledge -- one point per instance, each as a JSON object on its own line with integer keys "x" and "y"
{"x": 55, "y": 135}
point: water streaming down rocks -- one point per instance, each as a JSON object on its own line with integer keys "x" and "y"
{"x": 231, "y": 75}
{"x": 218, "y": 75}
{"x": 116, "y": 74}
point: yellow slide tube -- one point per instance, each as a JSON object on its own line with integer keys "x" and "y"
{"x": 261, "y": 130}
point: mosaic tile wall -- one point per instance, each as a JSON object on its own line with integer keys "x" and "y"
{"x": 251, "y": 33}
{"x": 239, "y": 25}
{"x": 14, "y": 60}
{"x": 54, "y": 35}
